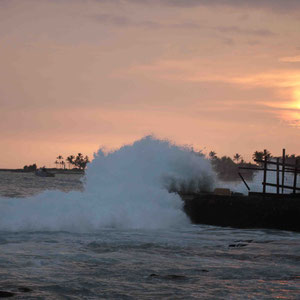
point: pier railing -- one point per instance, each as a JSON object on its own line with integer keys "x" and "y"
{"x": 281, "y": 168}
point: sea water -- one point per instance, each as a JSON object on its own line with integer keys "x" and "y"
{"x": 117, "y": 233}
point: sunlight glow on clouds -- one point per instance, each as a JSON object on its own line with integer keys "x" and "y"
{"x": 292, "y": 59}
{"x": 77, "y": 74}
{"x": 286, "y": 82}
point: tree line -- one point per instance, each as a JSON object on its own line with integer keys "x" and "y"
{"x": 256, "y": 156}
{"x": 262, "y": 155}
{"x": 227, "y": 168}
{"x": 79, "y": 161}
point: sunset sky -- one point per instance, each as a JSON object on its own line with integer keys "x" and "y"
{"x": 220, "y": 75}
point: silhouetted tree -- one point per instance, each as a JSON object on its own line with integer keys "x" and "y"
{"x": 60, "y": 160}
{"x": 85, "y": 162}
{"x": 237, "y": 157}
{"x": 30, "y": 168}
{"x": 260, "y": 155}
{"x": 268, "y": 155}
{"x": 70, "y": 160}
{"x": 212, "y": 155}
{"x": 56, "y": 163}
{"x": 81, "y": 161}
{"x": 225, "y": 167}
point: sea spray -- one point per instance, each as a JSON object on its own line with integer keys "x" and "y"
{"x": 126, "y": 188}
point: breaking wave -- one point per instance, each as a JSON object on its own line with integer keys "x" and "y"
{"x": 126, "y": 188}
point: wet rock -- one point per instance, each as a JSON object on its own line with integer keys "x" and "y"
{"x": 24, "y": 289}
{"x": 239, "y": 245}
{"x": 4, "y": 294}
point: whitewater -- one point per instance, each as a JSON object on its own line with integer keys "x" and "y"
{"x": 118, "y": 233}
{"x": 127, "y": 188}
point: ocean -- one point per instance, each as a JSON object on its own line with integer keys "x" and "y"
{"x": 117, "y": 233}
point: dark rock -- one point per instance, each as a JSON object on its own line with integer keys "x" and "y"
{"x": 25, "y": 289}
{"x": 239, "y": 245}
{"x": 4, "y": 294}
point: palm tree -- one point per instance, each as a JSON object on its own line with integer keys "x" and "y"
{"x": 81, "y": 161}
{"x": 78, "y": 160}
{"x": 237, "y": 157}
{"x": 212, "y": 154}
{"x": 70, "y": 160}
{"x": 267, "y": 154}
{"x": 258, "y": 155}
{"x": 56, "y": 163}
{"x": 261, "y": 155}
{"x": 60, "y": 159}
{"x": 85, "y": 162}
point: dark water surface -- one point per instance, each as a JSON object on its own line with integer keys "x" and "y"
{"x": 27, "y": 184}
{"x": 191, "y": 262}
{"x": 198, "y": 262}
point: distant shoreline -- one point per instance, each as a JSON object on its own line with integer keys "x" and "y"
{"x": 51, "y": 170}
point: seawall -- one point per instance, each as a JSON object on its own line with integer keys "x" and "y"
{"x": 253, "y": 211}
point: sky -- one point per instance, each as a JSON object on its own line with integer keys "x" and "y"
{"x": 76, "y": 75}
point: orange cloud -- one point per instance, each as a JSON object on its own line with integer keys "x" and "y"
{"x": 291, "y": 59}
{"x": 285, "y": 83}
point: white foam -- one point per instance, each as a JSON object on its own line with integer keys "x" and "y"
{"x": 127, "y": 188}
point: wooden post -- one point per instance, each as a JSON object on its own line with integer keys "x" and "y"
{"x": 283, "y": 168}
{"x": 277, "y": 176}
{"x": 265, "y": 171}
{"x": 295, "y": 177}
{"x": 241, "y": 176}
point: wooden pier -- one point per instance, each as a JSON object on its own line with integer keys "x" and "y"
{"x": 281, "y": 167}
{"x": 278, "y": 210}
